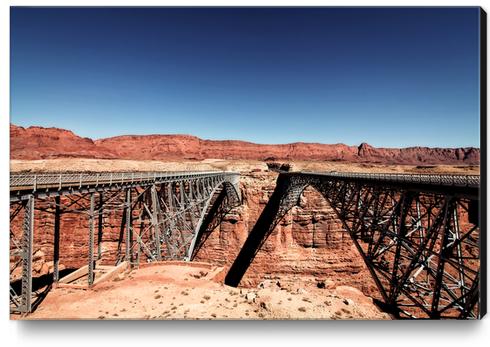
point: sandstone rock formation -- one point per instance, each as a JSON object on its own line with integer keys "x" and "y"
{"x": 39, "y": 142}
{"x": 43, "y": 143}
{"x": 309, "y": 245}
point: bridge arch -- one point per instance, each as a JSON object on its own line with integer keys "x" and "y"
{"x": 232, "y": 191}
{"x": 177, "y": 210}
{"x": 415, "y": 234}
{"x": 156, "y": 212}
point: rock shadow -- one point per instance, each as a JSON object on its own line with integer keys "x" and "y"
{"x": 271, "y": 215}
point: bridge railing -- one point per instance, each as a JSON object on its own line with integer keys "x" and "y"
{"x": 69, "y": 179}
{"x": 434, "y": 179}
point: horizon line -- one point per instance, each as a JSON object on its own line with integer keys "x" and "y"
{"x": 237, "y": 140}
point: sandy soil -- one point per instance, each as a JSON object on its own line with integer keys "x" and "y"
{"x": 73, "y": 164}
{"x": 181, "y": 291}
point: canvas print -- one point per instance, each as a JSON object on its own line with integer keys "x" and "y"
{"x": 244, "y": 163}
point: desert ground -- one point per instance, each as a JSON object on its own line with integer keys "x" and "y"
{"x": 190, "y": 291}
{"x": 77, "y": 164}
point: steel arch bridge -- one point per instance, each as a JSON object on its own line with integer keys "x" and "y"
{"x": 419, "y": 236}
{"x": 162, "y": 214}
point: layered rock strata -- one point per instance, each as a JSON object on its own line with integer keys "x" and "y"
{"x": 43, "y": 143}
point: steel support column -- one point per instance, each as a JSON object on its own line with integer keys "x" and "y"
{"x": 155, "y": 223}
{"x": 171, "y": 221}
{"x": 91, "y": 241}
{"x": 182, "y": 211}
{"x": 27, "y": 241}
{"x": 128, "y": 225}
{"x": 56, "y": 255}
{"x": 100, "y": 225}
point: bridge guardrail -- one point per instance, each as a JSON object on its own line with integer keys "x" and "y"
{"x": 70, "y": 179}
{"x": 444, "y": 179}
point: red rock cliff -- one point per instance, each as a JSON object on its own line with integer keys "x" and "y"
{"x": 43, "y": 143}
{"x": 308, "y": 245}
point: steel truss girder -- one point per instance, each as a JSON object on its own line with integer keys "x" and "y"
{"x": 177, "y": 210}
{"x": 423, "y": 262}
{"x": 168, "y": 210}
{"x": 420, "y": 247}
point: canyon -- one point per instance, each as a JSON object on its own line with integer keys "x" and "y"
{"x": 309, "y": 244}
{"x": 308, "y": 254}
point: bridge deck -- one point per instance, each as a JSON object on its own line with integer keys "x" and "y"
{"x": 442, "y": 179}
{"x": 21, "y": 184}
{"x": 458, "y": 185}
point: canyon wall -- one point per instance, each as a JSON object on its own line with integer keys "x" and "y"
{"x": 309, "y": 245}
{"x": 44, "y": 143}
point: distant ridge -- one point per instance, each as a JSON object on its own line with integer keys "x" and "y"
{"x": 42, "y": 143}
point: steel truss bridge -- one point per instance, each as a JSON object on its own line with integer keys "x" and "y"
{"x": 162, "y": 214}
{"x": 419, "y": 236}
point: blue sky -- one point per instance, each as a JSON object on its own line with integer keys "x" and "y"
{"x": 391, "y": 77}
